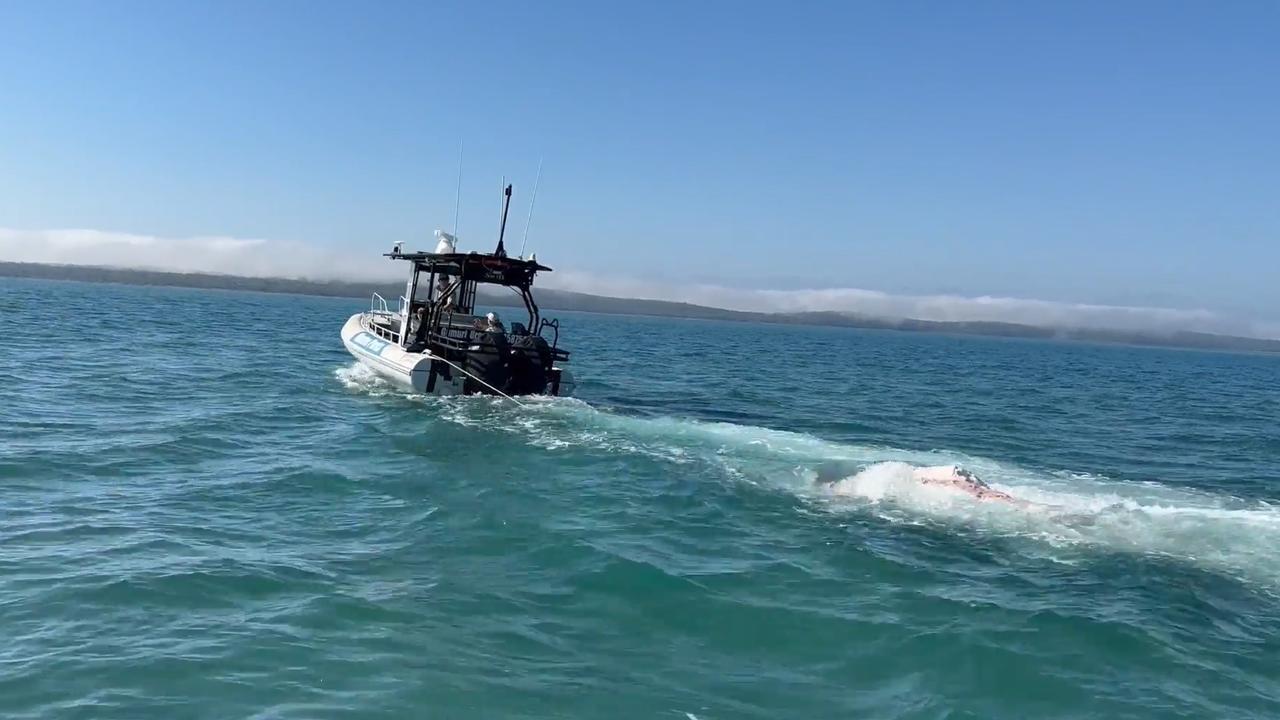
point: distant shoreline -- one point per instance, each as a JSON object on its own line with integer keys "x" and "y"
{"x": 573, "y": 301}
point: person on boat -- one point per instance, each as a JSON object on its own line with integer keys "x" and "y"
{"x": 493, "y": 335}
{"x": 418, "y": 327}
{"x": 489, "y": 323}
{"x": 445, "y": 297}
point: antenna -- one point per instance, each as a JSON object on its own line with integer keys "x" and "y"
{"x": 528, "y": 220}
{"x": 504, "y": 212}
{"x": 501, "y": 251}
{"x": 457, "y": 203}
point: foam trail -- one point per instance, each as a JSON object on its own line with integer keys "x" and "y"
{"x": 1069, "y": 512}
{"x": 356, "y": 377}
{"x": 359, "y": 378}
{"x": 1214, "y": 531}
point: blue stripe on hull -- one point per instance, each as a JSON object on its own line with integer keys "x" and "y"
{"x": 362, "y": 354}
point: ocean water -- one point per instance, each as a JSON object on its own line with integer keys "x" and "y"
{"x": 208, "y": 511}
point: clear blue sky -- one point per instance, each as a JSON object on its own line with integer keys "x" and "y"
{"x": 1103, "y": 152}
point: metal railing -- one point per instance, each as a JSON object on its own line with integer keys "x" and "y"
{"x": 456, "y": 331}
{"x": 378, "y": 305}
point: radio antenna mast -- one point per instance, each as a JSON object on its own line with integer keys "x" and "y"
{"x": 533, "y": 200}
{"x": 501, "y": 251}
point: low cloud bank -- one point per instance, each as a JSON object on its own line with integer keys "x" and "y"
{"x": 945, "y": 308}
{"x": 273, "y": 258}
{"x": 217, "y": 255}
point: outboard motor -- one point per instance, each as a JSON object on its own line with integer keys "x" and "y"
{"x": 490, "y": 364}
{"x": 537, "y": 349}
{"x": 525, "y": 377}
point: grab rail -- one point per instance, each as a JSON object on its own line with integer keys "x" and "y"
{"x": 378, "y": 304}
{"x": 554, "y": 325}
{"x": 385, "y": 333}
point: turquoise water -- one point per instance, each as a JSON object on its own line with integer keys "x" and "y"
{"x": 207, "y": 511}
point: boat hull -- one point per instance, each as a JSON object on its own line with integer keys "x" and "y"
{"x": 409, "y": 370}
{"x": 418, "y": 372}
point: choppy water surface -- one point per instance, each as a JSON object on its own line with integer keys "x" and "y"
{"x": 207, "y": 511}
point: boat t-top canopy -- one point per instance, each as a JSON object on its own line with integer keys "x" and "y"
{"x": 489, "y": 268}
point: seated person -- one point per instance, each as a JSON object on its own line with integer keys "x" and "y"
{"x": 420, "y": 327}
{"x": 491, "y": 330}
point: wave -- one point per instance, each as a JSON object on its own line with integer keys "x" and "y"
{"x": 1066, "y": 511}
{"x": 357, "y": 377}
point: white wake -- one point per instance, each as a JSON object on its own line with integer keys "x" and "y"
{"x": 1066, "y": 511}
